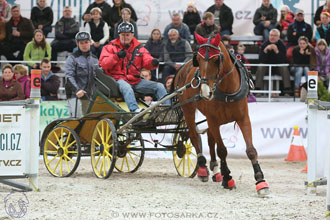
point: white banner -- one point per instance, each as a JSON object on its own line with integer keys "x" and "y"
{"x": 157, "y": 13}
{"x": 14, "y": 142}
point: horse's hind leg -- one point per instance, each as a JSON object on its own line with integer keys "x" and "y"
{"x": 189, "y": 114}
{"x": 214, "y": 166}
{"x": 261, "y": 185}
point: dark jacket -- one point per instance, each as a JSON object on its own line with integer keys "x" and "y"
{"x": 304, "y": 59}
{"x": 24, "y": 26}
{"x": 156, "y": 49}
{"x": 301, "y": 29}
{"x": 66, "y": 29}
{"x": 176, "y": 51}
{"x": 116, "y": 13}
{"x": 43, "y": 16}
{"x": 318, "y": 12}
{"x": 192, "y": 19}
{"x": 226, "y": 17}
{"x": 2, "y": 31}
{"x": 271, "y": 57}
{"x": 96, "y": 31}
{"x": 324, "y": 34}
{"x": 49, "y": 87}
{"x": 270, "y": 14}
{"x": 106, "y": 11}
{"x": 12, "y": 92}
{"x": 205, "y": 31}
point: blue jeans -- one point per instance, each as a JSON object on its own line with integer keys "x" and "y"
{"x": 298, "y": 72}
{"x": 144, "y": 87}
{"x": 260, "y": 29}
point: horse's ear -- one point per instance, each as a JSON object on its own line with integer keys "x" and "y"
{"x": 216, "y": 41}
{"x": 200, "y": 39}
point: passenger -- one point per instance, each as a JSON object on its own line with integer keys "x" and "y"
{"x": 79, "y": 70}
{"x": 123, "y": 58}
{"x": 22, "y": 76}
{"x": 10, "y": 89}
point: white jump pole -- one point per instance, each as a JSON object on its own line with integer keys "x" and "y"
{"x": 328, "y": 185}
{"x": 312, "y": 132}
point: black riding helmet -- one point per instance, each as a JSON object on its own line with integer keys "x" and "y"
{"x": 125, "y": 27}
{"x": 83, "y": 35}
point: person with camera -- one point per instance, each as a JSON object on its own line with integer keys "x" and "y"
{"x": 123, "y": 59}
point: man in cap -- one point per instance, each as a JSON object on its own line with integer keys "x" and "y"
{"x": 123, "y": 59}
{"x": 299, "y": 28}
{"x": 79, "y": 69}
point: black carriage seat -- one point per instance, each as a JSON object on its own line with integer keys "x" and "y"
{"x": 109, "y": 86}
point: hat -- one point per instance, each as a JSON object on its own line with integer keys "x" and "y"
{"x": 285, "y": 8}
{"x": 299, "y": 11}
{"x": 125, "y": 27}
{"x": 192, "y": 4}
{"x": 96, "y": 9}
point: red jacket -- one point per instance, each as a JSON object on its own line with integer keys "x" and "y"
{"x": 117, "y": 67}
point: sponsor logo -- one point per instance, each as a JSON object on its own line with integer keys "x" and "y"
{"x": 8, "y": 118}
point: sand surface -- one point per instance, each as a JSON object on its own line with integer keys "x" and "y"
{"x": 155, "y": 191}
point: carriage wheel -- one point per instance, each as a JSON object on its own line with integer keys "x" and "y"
{"x": 128, "y": 160}
{"x": 185, "y": 156}
{"x": 61, "y": 151}
{"x": 103, "y": 148}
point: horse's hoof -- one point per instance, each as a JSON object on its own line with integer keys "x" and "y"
{"x": 230, "y": 184}
{"x": 262, "y": 189}
{"x": 217, "y": 177}
{"x": 203, "y": 174}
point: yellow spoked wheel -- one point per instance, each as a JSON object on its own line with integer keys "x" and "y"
{"x": 104, "y": 148}
{"x": 61, "y": 151}
{"x": 185, "y": 156}
{"x": 130, "y": 155}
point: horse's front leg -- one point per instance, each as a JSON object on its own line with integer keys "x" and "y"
{"x": 261, "y": 184}
{"x": 189, "y": 114}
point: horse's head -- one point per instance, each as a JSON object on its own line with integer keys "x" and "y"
{"x": 208, "y": 59}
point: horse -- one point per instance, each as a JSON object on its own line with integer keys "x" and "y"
{"x": 219, "y": 88}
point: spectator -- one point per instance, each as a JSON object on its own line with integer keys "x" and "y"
{"x": 99, "y": 31}
{"x": 323, "y": 8}
{"x": 22, "y": 76}
{"x": 115, "y": 15}
{"x": 79, "y": 70}
{"x": 42, "y": 17}
{"x": 49, "y": 82}
{"x": 105, "y": 10}
{"x": 297, "y": 29}
{"x": 304, "y": 57}
{"x": 207, "y": 28}
{"x": 223, "y": 16}
{"x": 240, "y": 50}
{"x": 226, "y": 40}
{"x": 323, "y": 30}
{"x": 264, "y": 19}
{"x": 323, "y": 60}
{"x": 2, "y": 34}
{"x": 287, "y": 18}
{"x": 177, "y": 24}
{"x": 5, "y": 11}
{"x": 37, "y": 49}
{"x": 65, "y": 30}
{"x": 10, "y": 89}
{"x": 126, "y": 17}
{"x": 191, "y": 17}
{"x": 155, "y": 46}
{"x": 176, "y": 52}
{"x": 19, "y": 31}
{"x": 273, "y": 51}
{"x": 168, "y": 83}
{"x": 115, "y": 60}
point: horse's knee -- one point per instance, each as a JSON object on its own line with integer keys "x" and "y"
{"x": 251, "y": 153}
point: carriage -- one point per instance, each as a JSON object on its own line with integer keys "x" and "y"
{"x": 112, "y": 135}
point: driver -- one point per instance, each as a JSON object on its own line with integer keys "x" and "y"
{"x": 123, "y": 59}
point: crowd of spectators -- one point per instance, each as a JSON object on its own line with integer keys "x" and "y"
{"x": 287, "y": 38}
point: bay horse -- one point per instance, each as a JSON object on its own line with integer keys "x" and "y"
{"x": 221, "y": 85}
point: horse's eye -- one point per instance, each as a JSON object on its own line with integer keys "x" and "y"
{"x": 217, "y": 61}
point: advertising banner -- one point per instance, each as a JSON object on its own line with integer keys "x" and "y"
{"x": 14, "y": 140}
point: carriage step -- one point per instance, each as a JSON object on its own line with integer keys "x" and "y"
{"x": 202, "y": 131}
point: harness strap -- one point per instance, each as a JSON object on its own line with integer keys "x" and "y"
{"x": 133, "y": 56}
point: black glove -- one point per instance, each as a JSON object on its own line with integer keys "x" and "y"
{"x": 155, "y": 62}
{"x": 122, "y": 53}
